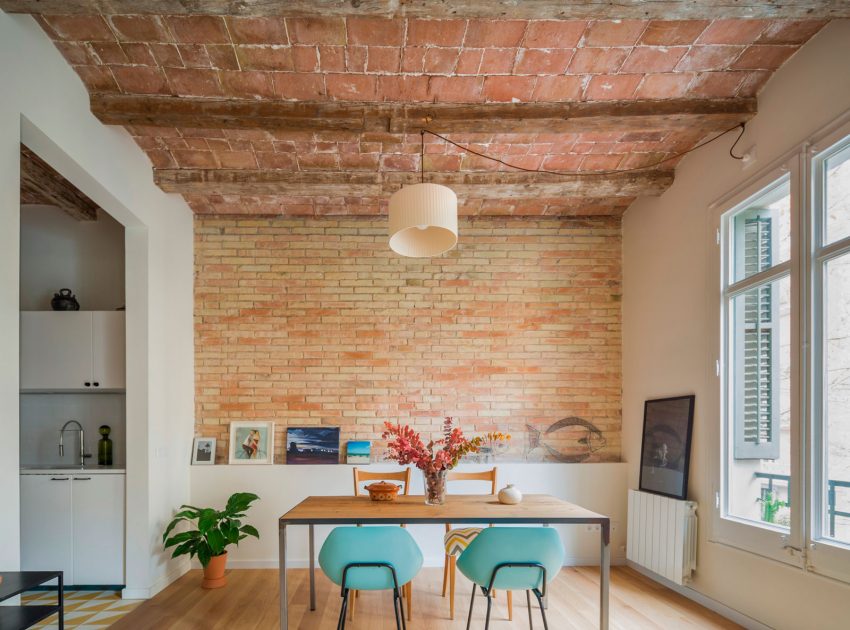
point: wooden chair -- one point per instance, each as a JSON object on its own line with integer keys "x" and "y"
{"x": 401, "y": 475}
{"x": 456, "y": 540}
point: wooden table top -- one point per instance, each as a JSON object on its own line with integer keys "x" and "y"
{"x": 466, "y": 508}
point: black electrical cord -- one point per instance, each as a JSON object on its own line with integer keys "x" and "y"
{"x": 741, "y": 126}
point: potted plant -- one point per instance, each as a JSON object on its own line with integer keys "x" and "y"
{"x": 433, "y": 459}
{"x": 216, "y": 530}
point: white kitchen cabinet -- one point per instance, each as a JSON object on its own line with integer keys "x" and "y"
{"x": 98, "y": 526}
{"x": 108, "y": 350}
{"x": 72, "y": 350}
{"x": 46, "y": 543}
{"x": 56, "y": 350}
{"x": 74, "y": 522}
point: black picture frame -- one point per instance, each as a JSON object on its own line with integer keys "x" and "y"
{"x": 665, "y": 451}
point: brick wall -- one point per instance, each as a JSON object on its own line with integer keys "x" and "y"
{"x": 316, "y": 322}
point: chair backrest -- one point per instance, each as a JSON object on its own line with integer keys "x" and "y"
{"x": 367, "y": 475}
{"x": 491, "y": 475}
{"x": 388, "y": 544}
{"x": 485, "y": 475}
{"x": 499, "y": 545}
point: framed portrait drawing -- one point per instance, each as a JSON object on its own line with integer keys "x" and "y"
{"x": 665, "y": 456}
{"x": 251, "y": 442}
{"x": 203, "y": 451}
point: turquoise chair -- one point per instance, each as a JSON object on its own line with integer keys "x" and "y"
{"x": 512, "y": 559}
{"x": 371, "y": 559}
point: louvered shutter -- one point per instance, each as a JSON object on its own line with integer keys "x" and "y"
{"x": 757, "y": 417}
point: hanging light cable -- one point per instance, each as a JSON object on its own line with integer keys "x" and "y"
{"x": 423, "y": 217}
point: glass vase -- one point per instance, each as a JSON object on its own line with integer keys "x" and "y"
{"x": 435, "y": 487}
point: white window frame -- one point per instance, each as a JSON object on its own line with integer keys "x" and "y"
{"x": 803, "y": 545}
{"x": 825, "y": 556}
{"x": 764, "y": 539}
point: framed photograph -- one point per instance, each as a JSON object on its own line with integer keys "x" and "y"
{"x": 312, "y": 445}
{"x": 358, "y": 452}
{"x": 251, "y": 442}
{"x": 666, "y": 447}
{"x": 203, "y": 451}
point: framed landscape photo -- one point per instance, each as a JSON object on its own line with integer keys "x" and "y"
{"x": 203, "y": 451}
{"x": 251, "y": 442}
{"x": 665, "y": 456}
{"x": 358, "y": 452}
{"x": 312, "y": 445}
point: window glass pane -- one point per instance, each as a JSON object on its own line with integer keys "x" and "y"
{"x": 762, "y": 231}
{"x": 837, "y": 403}
{"x": 837, "y": 195}
{"x": 758, "y": 463}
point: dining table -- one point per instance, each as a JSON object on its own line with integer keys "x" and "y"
{"x": 535, "y": 509}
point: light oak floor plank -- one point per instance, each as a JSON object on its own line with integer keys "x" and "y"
{"x": 250, "y": 602}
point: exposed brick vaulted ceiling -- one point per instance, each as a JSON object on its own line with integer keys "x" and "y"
{"x": 377, "y": 60}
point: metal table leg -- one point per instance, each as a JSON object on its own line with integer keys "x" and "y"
{"x": 312, "y": 546}
{"x": 284, "y": 619}
{"x": 605, "y": 574}
{"x": 61, "y": 595}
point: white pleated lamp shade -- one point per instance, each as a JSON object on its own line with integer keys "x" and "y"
{"x": 423, "y": 220}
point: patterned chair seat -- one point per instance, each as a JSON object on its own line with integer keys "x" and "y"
{"x": 457, "y": 540}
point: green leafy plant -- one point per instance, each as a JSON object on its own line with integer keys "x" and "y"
{"x": 770, "y": 506}
{"x": 216, "y": 529}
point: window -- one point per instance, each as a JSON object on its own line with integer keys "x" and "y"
{"x": 784, "y": 362}
{"x": 757, "y": 305}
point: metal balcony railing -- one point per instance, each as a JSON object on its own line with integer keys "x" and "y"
{"x": 832, "y": 484}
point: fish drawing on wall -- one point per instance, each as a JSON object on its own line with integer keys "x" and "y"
{"x": 586, "y": 435}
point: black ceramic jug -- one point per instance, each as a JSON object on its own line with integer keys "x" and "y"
{"x": 65, "y": 300}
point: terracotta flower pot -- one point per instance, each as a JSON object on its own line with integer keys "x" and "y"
{"x": 214, "y": 572}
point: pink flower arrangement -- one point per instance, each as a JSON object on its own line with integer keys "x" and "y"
{"x": 406, "y": 447}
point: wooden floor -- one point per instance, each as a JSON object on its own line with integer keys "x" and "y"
{"x": 250, "y": 601}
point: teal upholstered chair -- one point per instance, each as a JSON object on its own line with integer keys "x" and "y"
{"x": 513, "y": 559}
{"x": 371, "y": 559}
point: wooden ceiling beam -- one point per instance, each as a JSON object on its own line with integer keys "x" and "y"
{"x": 567, "y": 117}
{"x": 487, "y": 9}
{"x": 471, "y": 185}
{"x": 40, "y": 183}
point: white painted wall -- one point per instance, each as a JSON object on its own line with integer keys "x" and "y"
{"x": 45, "y": 105}
{"x": 57, "y": 251}
{"x": 666, "y": 322}
{"x": 598, "y": 487}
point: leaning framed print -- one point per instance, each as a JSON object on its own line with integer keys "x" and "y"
{"x": 251, "y": 442}
{"x": 203, "y": 451}
{"x": 665, "y": 455}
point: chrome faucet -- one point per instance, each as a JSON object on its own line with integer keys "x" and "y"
{"x": 83, "y": 454}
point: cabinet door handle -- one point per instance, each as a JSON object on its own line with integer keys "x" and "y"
{"x": 59, "y": 479}
{"x": 96, "y": 384}
{"x": 82, "y": 478}
{"x": 87, "y": 384}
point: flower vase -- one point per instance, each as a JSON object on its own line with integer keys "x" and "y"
{"x": 435, "y": 487}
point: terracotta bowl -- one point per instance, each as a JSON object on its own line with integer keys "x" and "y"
{"x": 383, "y": 491}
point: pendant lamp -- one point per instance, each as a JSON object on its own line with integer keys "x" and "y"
{"x": 423, "y": 220}
{"x": 423, "y": 217}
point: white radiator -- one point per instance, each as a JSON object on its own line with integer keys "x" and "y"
{"x": 662, "y": 535}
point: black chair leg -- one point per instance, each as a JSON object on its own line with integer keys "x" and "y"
{"x": 542, "y": 608}
{"x": 489, "y": 606}
{"x": 343, "y": 610}
{"x": 528, "y": 603}
{"x": 401, "y": 608}
{"x": 396, "y": 606}
{"x": 471, "y": 603}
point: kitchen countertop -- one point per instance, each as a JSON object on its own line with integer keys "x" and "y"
{"x": 65, "y": 470}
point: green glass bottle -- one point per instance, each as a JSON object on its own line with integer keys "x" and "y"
{"x": 104, "y": 447}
